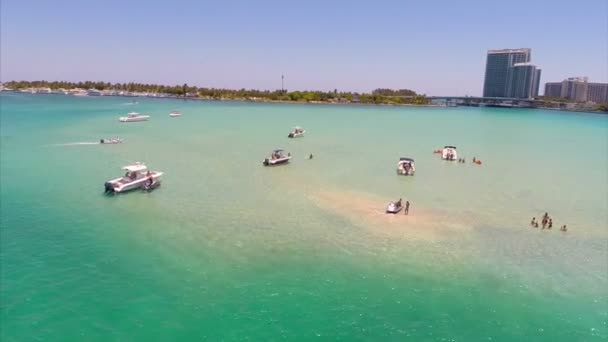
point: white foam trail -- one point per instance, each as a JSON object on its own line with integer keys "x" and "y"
{"x": 78, "y": 143}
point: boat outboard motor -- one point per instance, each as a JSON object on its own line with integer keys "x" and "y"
{"x": 290, "y": 135}
{"x": 109, "y": 187}
{"x": 101, "y": 141}
{"x": 265, "y": 162}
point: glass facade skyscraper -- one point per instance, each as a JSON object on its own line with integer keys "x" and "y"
{"x": 523, "y": 81}
{"x": 504, "y": 79}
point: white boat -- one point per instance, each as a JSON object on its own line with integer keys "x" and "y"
{"x": 110, "y": 141}
{"x": 449, "y": 153}
{"x": 175, "y": 113}
{"x": 297, "y": 132}
{"x": 277, "y": 157}
{"x": 134, "y": 117}
{"x": 93, "y": 92}
{"x": 406, "y": 167}
{"x": 136, "y": 177}
{"x": 394, "y": 207}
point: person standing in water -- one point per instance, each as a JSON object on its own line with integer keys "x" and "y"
{"x": 407, "y": 208}
{"x": 310, "y": 156}
{"x": 533, "y": 222}
{"x": 550, "y": 223}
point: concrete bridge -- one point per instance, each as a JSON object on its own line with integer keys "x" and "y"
{"x": 485, "y": 101}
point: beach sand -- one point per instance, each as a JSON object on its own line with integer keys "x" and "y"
{"x": 368, "y": 211}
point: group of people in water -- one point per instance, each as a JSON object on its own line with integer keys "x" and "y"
{"x": 547, "y": 223}
{"x": 449, "y": 156}
{"x": 407, "y": 168}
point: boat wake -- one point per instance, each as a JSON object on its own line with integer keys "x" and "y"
{"x": 78, "y": 143}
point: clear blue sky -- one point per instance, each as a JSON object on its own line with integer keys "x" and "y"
{"x": 432, "y": 47}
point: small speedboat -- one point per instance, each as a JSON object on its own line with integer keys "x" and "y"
{"x": 175, "y": 114}
{"x": 277, "y": 157}
{"x": 134, "y": 117}
{"x": 110, "y": 141}
{"x": 297, "y": 132}
{"x": 449, "y": 153}
{"x": 394, "y": 207}
{"x": 406, "y": 167}
{"x": 136, "y": 177}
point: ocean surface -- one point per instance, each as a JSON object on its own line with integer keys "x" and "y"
{"x": 229, "y": 250}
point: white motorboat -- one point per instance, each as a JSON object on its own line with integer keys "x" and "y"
{"x": 297, "y": 132}
{"x": 277, "y": 157}
{"x": 175, "y": 113}
{"x": 134, "y": 117}
{"x": 394, "y": 207}
{"x": 110, "y": 141}
{"x": 449, "y": 153}
{"x": 406, "y": 167}
{"x": 137, "y": 176}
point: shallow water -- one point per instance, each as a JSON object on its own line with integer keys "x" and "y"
{"x": 229, "y": 250}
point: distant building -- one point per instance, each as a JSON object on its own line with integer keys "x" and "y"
{"x": 597, "y": 92}
{"x": 509, "y": 73}
{"x": 578, "y": 89}
{"x": 553, "y": 89}
{"x": 574, "y": 88}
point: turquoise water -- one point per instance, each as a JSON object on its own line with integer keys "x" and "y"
{"x": 229, "y": 250}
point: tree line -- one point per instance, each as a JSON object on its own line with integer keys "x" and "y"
{"x": 378, "y": 96}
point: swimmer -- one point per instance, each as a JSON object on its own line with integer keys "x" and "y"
{"x": 563, "y": 228}
{"x": 310, "y": 156}
{"x": 533, "y": 222}
{"x": 407, "y": 208}
{"x": 550, "y": 223}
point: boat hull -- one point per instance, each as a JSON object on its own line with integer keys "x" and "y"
{"x": 391, "y": 209}
{"x": 276, "y": 162}
{"x": 126, "y": 119}
{"x": 110, "y": 141}
{"x": 115, "y": 186}
{"x": 402, "y": 172}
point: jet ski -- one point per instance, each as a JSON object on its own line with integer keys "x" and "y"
{"x": 394, "y": 207}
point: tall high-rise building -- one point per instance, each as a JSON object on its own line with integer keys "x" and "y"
{"x": 523, "y": 80}
{"x": 510, "y": 74}
{"x": 597, "y": 92}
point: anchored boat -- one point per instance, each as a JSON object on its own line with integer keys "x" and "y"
{"x": 297, "y": 132}
{"x": 449, "y": 153}
{"x": 137, "y": 176}
{"x": 175, "y": 113}
{"x": 406, "y": 166}
{"x": 277, "y": 157}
